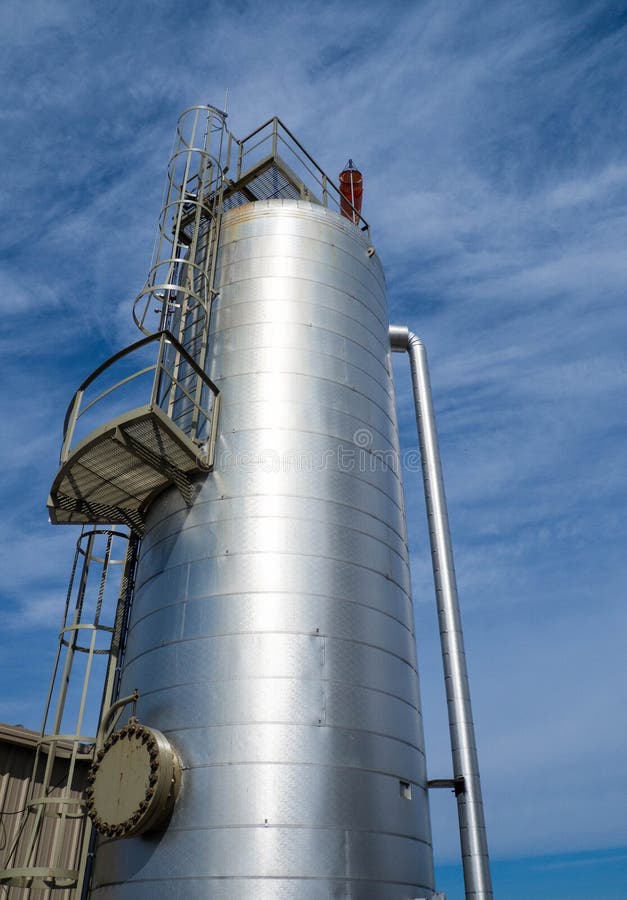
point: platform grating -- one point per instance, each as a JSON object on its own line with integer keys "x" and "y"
{"x": 113, "y": 474}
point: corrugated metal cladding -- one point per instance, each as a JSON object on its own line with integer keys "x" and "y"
{"x": 17, "y": 756}
{"x": 272, "y": 630}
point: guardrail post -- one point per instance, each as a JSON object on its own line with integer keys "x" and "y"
{"x": 156, "y": 382}
{"x": 69, "y": 432}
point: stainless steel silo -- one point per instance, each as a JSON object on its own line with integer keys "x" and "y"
{"x": 271, "y": 635}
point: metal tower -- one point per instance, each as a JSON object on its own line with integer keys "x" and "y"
{"x": 249, "y": 442}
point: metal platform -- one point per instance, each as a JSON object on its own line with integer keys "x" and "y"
{"x": 271, "y": 164}
{"x": 269, "y": 179}
{"x": 111, "y": 475}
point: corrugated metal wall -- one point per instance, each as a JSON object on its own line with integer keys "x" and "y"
{"x": 17, "y": 756}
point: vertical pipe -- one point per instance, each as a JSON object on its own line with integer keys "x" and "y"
{"x": 472, "y": 831}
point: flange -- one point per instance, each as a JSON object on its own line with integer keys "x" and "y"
{"x": 133, "y": 782}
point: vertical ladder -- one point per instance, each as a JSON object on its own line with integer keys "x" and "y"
{"x": 49, "y": 844}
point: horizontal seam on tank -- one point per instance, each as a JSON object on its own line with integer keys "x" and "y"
{"x": 256, "y": 372}
{"x": 350, "y": 730}
{"x": 209, "y": 596}
{"x": 234, "y": 302}
{"x": 299, "y": 497}
{"x": 358, "y": 265}
{"x": 306, "y": 305}
{"x": 247, "y": 518}
{"x": 297, "y": 207}
{"x": 220, "y": 378}
{"x": 261, "y": 593}
{"x": 357, "y": 287}
{"x": 256, "y": 679}
{"x": 256, "y": 242}
{"x": 360, "y": 294}
{"x": 405, "y": 593}
{"x": 353, "y": 475}
{"x": 341, "y": 384}
{"x": 250, "y": 404}
{"x": 307, "y": 765}
{"x": 333, "y": 879}
{"x": 297, "y": 827}
{"x": 341, "y": 441}
{"x": 342, "y": 728}
{"x": 322, "y": 634}
{"x": 239, "y": 351}
{"x": 318, "y": 328}
{"x": 221, "y": 634}
{"x": 400, "y": 776}
{"x": 207, "y": 878}
{"x": 377, "y": 311}
{"x": 376, "y": 609}
{"x": 278, "y": 553}
{"x": 316, "y": 351}
{"x": 316, "y": 241}
{"x": 275, "y": 630}
{"x": 343, "y": 828}
{"x": 351, "y": 321}
{"x": 222, "y": 519}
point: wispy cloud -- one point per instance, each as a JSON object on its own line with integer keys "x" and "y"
{"x": 492, "y": 139}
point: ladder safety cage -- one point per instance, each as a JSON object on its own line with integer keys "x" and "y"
{"x": 181, "y": 270}
{"x": 47, "y": 846}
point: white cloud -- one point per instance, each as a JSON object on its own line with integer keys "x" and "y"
{"x": 496, "y": 183}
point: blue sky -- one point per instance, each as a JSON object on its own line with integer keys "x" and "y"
{"x": 493, "y": 141}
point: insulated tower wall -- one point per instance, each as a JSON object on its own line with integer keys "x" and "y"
{"x": 271, "y": 635}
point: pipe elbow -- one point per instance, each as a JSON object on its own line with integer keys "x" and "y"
{"x": 399, "y": 338}
{"x": 402, "y": 339}
{"x": 413, "y": 341}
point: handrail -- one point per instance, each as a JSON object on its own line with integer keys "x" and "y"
{"x": 114, "y": 387}
{"x": 159, "y": 367}
{"x": 101, "y": 368}
{"x": 279, "y": 130}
